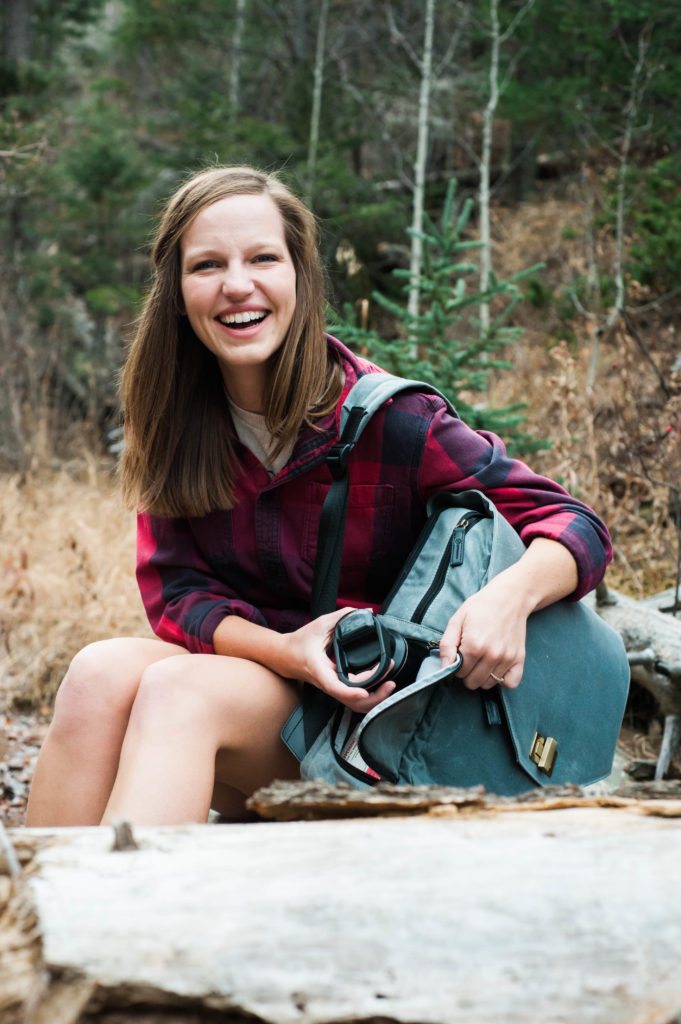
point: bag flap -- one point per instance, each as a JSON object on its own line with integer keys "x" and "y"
{"x": 573, "y": 691}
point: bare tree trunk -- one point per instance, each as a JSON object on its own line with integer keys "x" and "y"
{"x": 421, "y": 160}
{"x": 485, "y": 163}
{"x": 235, "y": 70}
{"x": 484, "y": 189}
{"x": 631, "y": 112}
{"x": 316, "y": 100}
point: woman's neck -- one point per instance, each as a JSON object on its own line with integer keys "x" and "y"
{"x": 246, "y": 389}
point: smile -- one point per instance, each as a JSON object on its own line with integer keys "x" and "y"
{"x": 247, "y": 319}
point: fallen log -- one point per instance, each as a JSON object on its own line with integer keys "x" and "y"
{"x": 653, "y": 643}
{"x": 652, "y": 640}
{"x": 473, "y": 912}
{"x": 668, "y": 600}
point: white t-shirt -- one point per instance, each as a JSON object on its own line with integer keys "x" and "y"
{"x": 253, "y": 433}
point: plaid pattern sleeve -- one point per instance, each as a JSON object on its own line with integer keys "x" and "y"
{"x": 183, "y": 598}
{"x": 457, "y": 458}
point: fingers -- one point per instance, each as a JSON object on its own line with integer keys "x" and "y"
{"x": 327, "y": 623}
{"x": 367, "y": 701}
{"x": 451, "y": 640}
{"x": 355, "y": 697}
{"x": 487, "y": 671}
{"x": 492, "y": 646}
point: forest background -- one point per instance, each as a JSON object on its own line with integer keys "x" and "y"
{"x": 543, "y": 293}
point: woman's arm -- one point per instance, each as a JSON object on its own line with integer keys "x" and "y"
{"x": 297, "y": 655}
{"x": 456, "y": 458}
{"x": 489, "y": 628}
{"x": 184, "y": 600}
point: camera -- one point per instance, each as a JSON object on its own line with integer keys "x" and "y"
{"x": 362, "y": 642}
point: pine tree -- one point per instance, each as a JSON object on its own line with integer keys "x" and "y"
{"x": 443, "y": 343}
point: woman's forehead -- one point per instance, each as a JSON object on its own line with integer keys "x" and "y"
{"x": 239, "y": 217}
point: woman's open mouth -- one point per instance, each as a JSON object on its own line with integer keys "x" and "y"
{"x": 242, "y": 321}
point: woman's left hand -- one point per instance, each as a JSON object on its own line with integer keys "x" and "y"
{"x": 488, "y": 630}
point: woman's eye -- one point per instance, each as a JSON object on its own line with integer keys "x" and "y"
{"x": 266, "y": 257}
{"x": 205, "y": 265}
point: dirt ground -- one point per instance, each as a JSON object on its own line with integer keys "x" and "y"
{"x": 21, "y": 737}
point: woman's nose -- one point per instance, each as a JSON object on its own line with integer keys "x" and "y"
{"x": 236, "y": 281}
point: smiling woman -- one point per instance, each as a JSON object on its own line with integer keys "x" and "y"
{"x": 232, "y": 396}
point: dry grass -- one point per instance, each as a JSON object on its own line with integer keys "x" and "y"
{"x": 66, "y": 574}
{"x": 618, "y": 445}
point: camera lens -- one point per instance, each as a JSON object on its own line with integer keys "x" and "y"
{"x": 362, "y": 642}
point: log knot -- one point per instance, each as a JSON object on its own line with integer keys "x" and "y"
{"x": 124, "y": 838}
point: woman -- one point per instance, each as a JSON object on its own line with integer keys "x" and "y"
{"x": 231, "y": 395}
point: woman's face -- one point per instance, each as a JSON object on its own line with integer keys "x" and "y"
{"x": 239, "y": 289}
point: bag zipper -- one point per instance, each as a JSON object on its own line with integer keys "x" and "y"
{"x": 452, "y": 557}
{"x": 421, "y": 540}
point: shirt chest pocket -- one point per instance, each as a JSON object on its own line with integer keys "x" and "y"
{"x": 368, "y": 525}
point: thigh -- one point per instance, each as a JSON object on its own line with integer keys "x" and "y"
{"x": 232, "y": 707}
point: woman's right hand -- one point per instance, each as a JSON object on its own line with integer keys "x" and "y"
{"x": 305, "y": 652}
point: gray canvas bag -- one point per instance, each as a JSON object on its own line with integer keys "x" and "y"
{"x": 559, "y": 726}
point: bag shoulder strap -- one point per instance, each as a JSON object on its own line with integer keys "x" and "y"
{"x": 365, "y": 398}
{"x": 370, "y": 392}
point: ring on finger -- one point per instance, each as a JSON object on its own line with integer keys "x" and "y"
{"x": 497, "y": 679}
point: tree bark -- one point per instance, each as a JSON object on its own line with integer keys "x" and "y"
{"x": 653, "y": 642}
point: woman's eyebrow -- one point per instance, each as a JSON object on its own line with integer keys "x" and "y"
{"x": 215, "y": 248}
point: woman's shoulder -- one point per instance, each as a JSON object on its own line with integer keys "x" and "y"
{"x": 414, "y": 401}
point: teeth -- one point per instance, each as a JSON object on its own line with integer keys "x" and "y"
{"x": 242, "y": 318}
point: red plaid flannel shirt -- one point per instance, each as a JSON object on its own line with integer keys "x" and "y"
{"x": 257, "y": 560}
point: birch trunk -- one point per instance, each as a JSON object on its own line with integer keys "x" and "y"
{"x": 235, "y": 70}
{"x": 485, "y": 166}
{"x": 484, "y": 188}
{"x": 316, "y": 100}
{"x": 631, "y": 113}
{"x": 416, "y": 259}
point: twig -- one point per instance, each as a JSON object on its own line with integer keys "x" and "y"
{"x": 11, "y": 859}
{"x": 398, "y": 37}
{"x": 124, "y": 838}
{"x": 645, "y": 475}
{"x": 633, "y": 333}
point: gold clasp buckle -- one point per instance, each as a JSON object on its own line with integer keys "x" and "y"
{"x": 543, "y": 752}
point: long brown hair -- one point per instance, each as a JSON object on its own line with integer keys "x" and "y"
{"x": 179, "y": 457}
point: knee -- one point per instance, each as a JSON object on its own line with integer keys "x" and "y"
{"x": 99, "y": 681}
{"x": 168, "y": 698}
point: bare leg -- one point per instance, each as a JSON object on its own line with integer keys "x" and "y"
{"x": 79, "y": 759}
{"x": 196, "y": 721}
